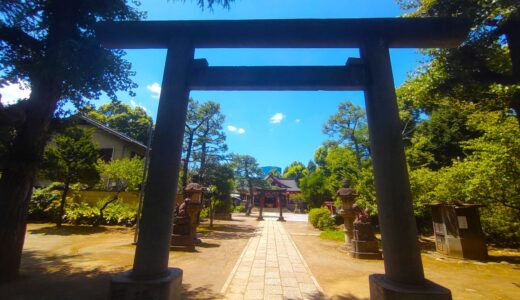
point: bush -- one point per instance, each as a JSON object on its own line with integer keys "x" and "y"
{"x": 320, "y": 218}
{"x": 81, "y": 214}
{"x": 44, "y": 204}
{"x": 119, "y": 213}
{"x": 116, "y": 213}
{"x": 240, "y": 208}
{"x": 204, "y": 213}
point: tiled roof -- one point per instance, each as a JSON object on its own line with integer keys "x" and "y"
{"x": 110, "y": 131}
{"x": 288, "y": 183}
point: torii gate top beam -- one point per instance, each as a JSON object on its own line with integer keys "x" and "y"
{"x": 295, "y": 33}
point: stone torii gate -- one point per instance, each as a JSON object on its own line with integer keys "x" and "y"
{"x": 404, "y": 278}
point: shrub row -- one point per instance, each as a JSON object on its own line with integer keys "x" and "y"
{"x": 320, "y": 218}
{"x": 44, "y": 206}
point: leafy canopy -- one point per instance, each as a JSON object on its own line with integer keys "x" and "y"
{"x": 133, "y": 122}
{"x": 71, "y": 157}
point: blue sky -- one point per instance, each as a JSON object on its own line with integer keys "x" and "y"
{"x": 274, "y": 127}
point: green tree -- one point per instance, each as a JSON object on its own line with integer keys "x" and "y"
{"x": 349, "y": 127}
{"x": 313, "y": 188}
{"x": 51, "y": 47}
{"x": 480, "y": 71}
{"x": 296, "y": 170}
{"x": 203, "y": 129}
{"x": 248, "y": 175}
{"x": 133, "y": 122}
{"x": 120, "y": 175}
{"x": 220, "y": 179}
{"x": 210, "y": 141}
{"x": 71, "y": 158}
{"x": 490, "y": 176}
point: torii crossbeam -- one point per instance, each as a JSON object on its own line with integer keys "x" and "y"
{"x": 372, "y": 73}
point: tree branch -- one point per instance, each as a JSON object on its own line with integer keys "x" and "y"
{"x": 17, "y": 37}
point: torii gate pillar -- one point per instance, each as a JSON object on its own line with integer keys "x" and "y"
{"x": 404, "y": 276}
{"x": 151, "y": 278}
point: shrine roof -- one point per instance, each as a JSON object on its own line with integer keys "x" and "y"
{"x": 287, "y": 183}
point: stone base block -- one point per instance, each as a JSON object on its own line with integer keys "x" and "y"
{"x": 169, "y": 287}
{"x": 382, "y": 288}
{"x": 260, "y": 218}
{"x": 182, "y": 240}
{"x": 281, "y": 219}
{"x": 365, "y": 250}
{"x": 366, "y": 255}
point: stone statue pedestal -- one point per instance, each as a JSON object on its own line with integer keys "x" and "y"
{"x": 185, "y": 229}
{"x": 364, "y": 244}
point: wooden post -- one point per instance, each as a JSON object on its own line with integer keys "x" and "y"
{"x": 402, "y": 257}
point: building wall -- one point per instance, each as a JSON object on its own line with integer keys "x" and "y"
{"x": 120, "y": 148}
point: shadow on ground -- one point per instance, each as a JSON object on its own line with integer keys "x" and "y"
{"x": 202, "y": 292}
{"x": 72, "y": 230}
{"x": 222, "y": 232}
{"x": 47, "y": 275}
{"x": 346, "y": 297}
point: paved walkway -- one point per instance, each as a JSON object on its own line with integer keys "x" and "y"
{"x": 271, "y": 267}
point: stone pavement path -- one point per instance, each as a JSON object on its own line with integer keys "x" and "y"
{"x": 271, "y": 267}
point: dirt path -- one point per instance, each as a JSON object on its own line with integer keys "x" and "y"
{"x": 78, "y": 262}
{"x": 343, "y": 277}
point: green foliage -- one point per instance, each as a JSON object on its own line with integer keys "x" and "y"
{"x": 490, "y": 175}
{"x": 123, "y": 174}
{"x": 204, "y": 213}
{"x": 313, "y": 188}
{"x": 117, "y": 213}
{"x": 320, "y": 218}
{"x": 133, "y": 122}
{"x": 44, "y": 203}
{"x": 71, "y": 157}
{"x": 220, "y": 177}
{"x": 239, "y": 208}
{"x": 349, "y": 127}
{"x": 332, "y": 235}
{"x": 296, "y": 170}
{"x": 81, "y": 214}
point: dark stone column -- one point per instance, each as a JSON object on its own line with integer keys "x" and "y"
{"x": 401, "y": 251}
{"x": 151, "y": 278}
{"x": 261, "y": 214}
{"x": 280, "y": 218}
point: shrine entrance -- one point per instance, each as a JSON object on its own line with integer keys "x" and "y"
{"x": 404, "y": 278}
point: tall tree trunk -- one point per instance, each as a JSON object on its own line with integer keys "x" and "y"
{"x": 17, "y": 178}
{"x": 358, "y": 152}
{"x": 202, "y": 162}
{"x": 186, "y": 162}
{"x": 62, "y": 203}
{"x": 211, "y": 212}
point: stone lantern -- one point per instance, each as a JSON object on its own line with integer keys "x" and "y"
{"x": 194, "y": 191}
{"x": 348, "y": 198}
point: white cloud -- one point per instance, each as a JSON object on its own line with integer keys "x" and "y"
{"x": 236, "y": 129}
{"x": 12, "y": 93}
{"x": 276, "y": 118}
{"x": 297, "y": 121}
{"x": 155, "y": 88}
{"x": 134, "y": 104}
